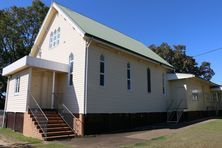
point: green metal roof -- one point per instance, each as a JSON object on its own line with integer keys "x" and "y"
{"x": 110, "y": 35}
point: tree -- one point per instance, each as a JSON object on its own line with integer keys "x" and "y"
{"x": 18, "y": 29}
{"x": 206, "y": 71}
{"x": 183, "y": 63}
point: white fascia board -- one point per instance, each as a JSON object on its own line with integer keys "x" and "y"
{"x": 45, "y": 64}
{"x": 43, "y": 27}
{"x": 74, "y": 25}
{"x": 16, "y": 66}
{"x": 29, "y": 61}
{"x": 178, "y": 76}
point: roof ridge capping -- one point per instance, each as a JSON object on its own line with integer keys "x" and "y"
{"x": 110, "y": 35}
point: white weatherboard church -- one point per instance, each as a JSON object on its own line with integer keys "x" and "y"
{"x": 82, "y": 77}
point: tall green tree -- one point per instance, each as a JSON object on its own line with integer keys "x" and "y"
{"x": 18, "y": 29}
{"x": 176, "y": 56}
{"x": 206, "y": 71}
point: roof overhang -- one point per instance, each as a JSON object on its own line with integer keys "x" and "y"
{"x": 29, "y": 61}
{"x": 181, "y": 76}
{"x": 219, "y": 88}
{"x": 122, "y": 49}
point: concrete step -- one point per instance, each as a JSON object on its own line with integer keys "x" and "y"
{"x": 59, "y": 137}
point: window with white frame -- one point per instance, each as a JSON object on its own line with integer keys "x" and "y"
{"x": 195, "y": 95}
{"x": 17, "y": 85}
{"x": 128, "y": 76}
{"x": 54, "y": 38}
{"x": 71, "y": 64}
{"x": 102, "y": 71}
{"x": 163, "y": 84}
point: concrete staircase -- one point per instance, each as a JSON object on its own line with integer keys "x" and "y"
{"x": 56, "y": 126}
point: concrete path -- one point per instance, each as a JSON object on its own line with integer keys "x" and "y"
{"x": 122, "y": 139}
{"x": 116, "y": 140}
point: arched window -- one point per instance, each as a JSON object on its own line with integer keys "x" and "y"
{"x": 102, "y": 70}
{"x": 148, "y": 80}
{"x": 71, "y": 62}
{"x": 128, "y": 76}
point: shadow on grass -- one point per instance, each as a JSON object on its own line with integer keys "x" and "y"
{"x": 157, "y": 126}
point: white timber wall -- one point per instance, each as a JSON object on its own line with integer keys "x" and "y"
{"x": 18, "y": 102}
{"x": 70, "y": 42}
{"x": 41, "y": 87}
{"x": 114, "y": 96}
{"x": 178, "y": 92}
{"x": 204, "y": 94}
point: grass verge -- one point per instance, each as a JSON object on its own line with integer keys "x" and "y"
{"x": 15, "y": 137}
{"x": 207, "y": 134}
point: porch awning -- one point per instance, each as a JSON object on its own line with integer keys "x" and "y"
{"x": 29, "y": 61}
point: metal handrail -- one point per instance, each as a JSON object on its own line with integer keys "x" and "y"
{"x": 39, "y": 106}
{"x": 64, "y": 118}
{"x": 178, "y": 106}
{"x": 43, "y": 127}
{"x": 171, "y": 103}
{"x": 176, "y": 110}
{"x": 68, "y": 110}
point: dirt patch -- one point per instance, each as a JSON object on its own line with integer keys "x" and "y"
{"x": 11, "y": 143}
{"x": 17, "y": 145}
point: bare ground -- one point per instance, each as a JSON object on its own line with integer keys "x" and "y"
{"x": 12, "y": 143}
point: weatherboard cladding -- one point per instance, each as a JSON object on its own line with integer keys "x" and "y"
{"x": 98, "y": 30}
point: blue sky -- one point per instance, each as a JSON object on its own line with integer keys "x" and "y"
{"x": 194, "y": 23}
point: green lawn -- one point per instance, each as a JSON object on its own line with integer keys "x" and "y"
{"x": 15, "y": 137}
{"x": 206, "y": 135}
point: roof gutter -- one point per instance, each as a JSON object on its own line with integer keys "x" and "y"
{"x": 132, "y": 52}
